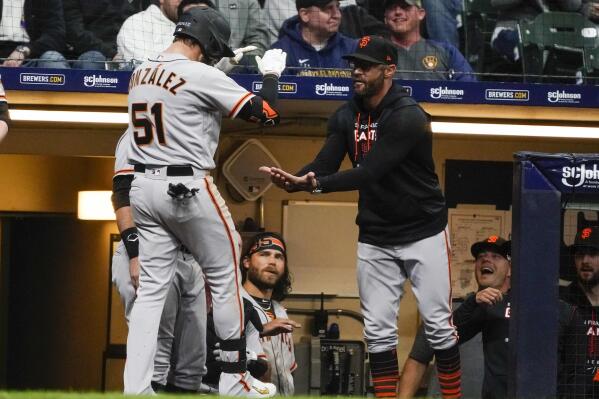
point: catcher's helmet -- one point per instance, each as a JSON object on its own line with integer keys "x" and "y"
{"x": 209, "y": 28}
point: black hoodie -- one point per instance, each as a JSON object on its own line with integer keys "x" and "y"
{"x": 391, "y": 151}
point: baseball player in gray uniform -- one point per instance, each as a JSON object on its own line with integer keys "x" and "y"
{"x": 266, "y": 282}
{"x": 180, "y": 359}
{"x": 176, "y": 102}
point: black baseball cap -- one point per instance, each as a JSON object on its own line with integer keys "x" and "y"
{"x": 389, "y": 3}
{"x": 376, "y": 50}
{"x": 587, "y": 237}
{"x": 309, "y": 3}
{"x": 493, "y": 243}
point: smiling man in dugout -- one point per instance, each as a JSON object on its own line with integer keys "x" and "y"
{"x": 486, "y": 311}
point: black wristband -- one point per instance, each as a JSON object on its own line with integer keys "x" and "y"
{"x": 131, "y": 241}
{"x": 270, "y": 89}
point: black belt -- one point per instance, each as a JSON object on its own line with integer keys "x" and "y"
{"x": 171, "y": 170}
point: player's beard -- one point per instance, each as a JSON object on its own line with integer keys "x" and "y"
{"x": 371, "y": 88}
{"x": 590, "y": 283}
{"x": 255, "y": 278}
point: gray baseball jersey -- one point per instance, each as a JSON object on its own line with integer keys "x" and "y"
{"x": 278, "y": 349}
{"x": 121, "y": 157}
{"x": 176, "y": 106}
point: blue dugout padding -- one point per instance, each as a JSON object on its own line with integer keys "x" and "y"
{"x": 320, "y": 88}
{"x": 544, "y": 184}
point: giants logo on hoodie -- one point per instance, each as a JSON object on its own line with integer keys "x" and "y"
{"x": 365, "y": 135}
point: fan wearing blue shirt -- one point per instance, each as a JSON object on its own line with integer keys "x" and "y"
{"x": 312, "y": 40}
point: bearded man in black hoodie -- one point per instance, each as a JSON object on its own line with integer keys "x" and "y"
{"x": 401, "y": 211}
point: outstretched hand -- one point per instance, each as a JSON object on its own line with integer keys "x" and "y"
{"x": 278, "y": 326}
{"x": 289, "y": 182}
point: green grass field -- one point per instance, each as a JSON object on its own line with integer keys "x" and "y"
{"x": 77, "y": 395}
{"x": 98, "y": 395}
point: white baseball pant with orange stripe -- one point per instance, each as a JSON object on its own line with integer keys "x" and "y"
{"x": 203, "y": 224}
{"x": 382, "y": 272}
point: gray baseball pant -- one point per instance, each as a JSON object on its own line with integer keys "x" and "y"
{"x": 382, "y": 272}
{"x": 181, "y": 353}
{"x": 203, "y": 224}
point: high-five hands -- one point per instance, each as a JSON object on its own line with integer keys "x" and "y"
{"x": 289, "y": 182}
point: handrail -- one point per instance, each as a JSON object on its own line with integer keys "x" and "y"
{"x": 336, "y": 312}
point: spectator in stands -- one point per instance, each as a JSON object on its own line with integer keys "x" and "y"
{"x": 146, "y": 33}
{"x": 312, "y": 40}
{"x": 356, "y": 22}
{"x": 486, "y": 311}
{"x": 92, "y": 27}
{"x": 421, "y": 58}
{"x": 32, "y": 29}
{"x": 442, "y": 20}
{"x": 247, "y": 27}
{"x": 578, "y": 346}
{"x": 275, "y": 13}
{"x": 505, "y": 39}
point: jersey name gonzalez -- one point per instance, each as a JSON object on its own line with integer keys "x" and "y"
{"x": 156, "y": 76}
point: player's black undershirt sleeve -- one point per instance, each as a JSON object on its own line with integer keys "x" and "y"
{"x": 261, "y": 108}
{"x": 469, "y": 318}
{"x": 405, "y": 130}
{"x": 121, "y": 184}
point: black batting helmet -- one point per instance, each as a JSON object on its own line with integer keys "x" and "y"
{"x": 209, "y": 28}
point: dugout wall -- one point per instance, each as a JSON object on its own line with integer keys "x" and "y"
{"x": 545, "y": 185}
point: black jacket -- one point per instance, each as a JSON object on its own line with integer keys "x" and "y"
{"x": 94, "y": 24}
{"x": 44, "y": 24}
{"x": 574, "y": 295}
{"x": 400, "y": 197}
{"x": 578, "y": 352}
{"x": 493, "y": 322}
